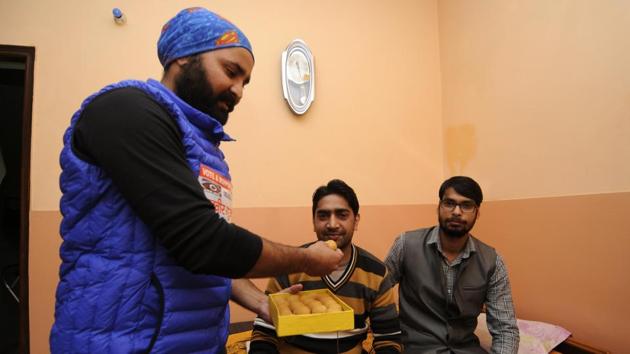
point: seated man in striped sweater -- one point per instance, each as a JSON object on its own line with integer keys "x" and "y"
{"x": 360, "y": 281}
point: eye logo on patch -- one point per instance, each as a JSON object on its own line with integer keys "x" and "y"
{"x": 212, "y": 188}
{"x": 228, "y": 37}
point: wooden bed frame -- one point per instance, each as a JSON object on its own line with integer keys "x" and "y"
{"x": 572, "y": 346}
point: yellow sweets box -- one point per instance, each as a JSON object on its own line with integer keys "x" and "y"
{"x": 310, "y": 311}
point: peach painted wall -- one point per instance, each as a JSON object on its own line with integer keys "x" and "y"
{"x": 43, "y": 275}
{"x": 566, "y": 255}
{"x": 568, "y": 262}
{"x": 536, "y": 95}
{"x": 376, "y": 121}
{"x": 536, "y": 105}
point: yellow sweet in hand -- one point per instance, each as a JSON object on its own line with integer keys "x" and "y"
{"x": 332, "y": 244}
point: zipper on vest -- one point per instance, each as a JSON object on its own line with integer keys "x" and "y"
{"x": 155, "y": 281}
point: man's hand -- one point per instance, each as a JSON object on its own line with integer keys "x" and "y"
{"x": 263, "y": 310}
{"x": 278, "y": 259}
{"x": 321, "y": 259}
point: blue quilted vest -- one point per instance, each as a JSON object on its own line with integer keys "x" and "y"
{"x": 119, "y": 291}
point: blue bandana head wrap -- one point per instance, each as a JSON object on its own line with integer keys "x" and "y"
{"x": 196, "y": 30}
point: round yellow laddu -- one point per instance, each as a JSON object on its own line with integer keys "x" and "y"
{"x": 307, "y": 296}
{"x": 318, "y": 308}
{"x": 284, "y": 310}
{"x": 302, "y": 310}
{"x": 280, "y": 301}
{"x": 324, "y": 297}
{"x": 333, "y": 308}
{"x": 313, "y": 303}
{"x": 308, "y": 301}
{"x": 296, "y": 305}
{"x": 293, "y": 297}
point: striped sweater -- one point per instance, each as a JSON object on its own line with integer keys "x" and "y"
{"x": 364, "y": 287}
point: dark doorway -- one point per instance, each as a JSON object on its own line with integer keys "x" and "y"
{"x": 16, "y": 97}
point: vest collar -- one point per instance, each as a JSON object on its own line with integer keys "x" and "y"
{"x": 434, "y": 238}
{"x": 203, "y": 121}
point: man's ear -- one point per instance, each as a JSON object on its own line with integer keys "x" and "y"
{"x": 181, "y": 61}
{"x": 356, "y": 222}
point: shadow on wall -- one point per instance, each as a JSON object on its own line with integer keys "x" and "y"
{"x": 460, "y": 142}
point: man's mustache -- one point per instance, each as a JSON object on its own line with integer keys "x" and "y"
{"x": 229, "y": 98}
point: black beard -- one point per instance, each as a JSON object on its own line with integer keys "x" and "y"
{"x": 193, "y": 87}
{"x": 453, "y": 233}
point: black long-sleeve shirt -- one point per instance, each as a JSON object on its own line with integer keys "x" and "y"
{"x": 139, "y": 146}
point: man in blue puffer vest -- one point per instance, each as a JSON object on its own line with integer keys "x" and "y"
{"x": 148, "y": 251}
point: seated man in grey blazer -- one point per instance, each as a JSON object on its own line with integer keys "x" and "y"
{"x": 446, "y": 275}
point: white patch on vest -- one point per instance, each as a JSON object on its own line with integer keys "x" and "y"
{"x": 217, "y": 189}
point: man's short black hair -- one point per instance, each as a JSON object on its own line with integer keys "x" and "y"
{"x": 340, "y": 188}
{"x": 463, "y": 185}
